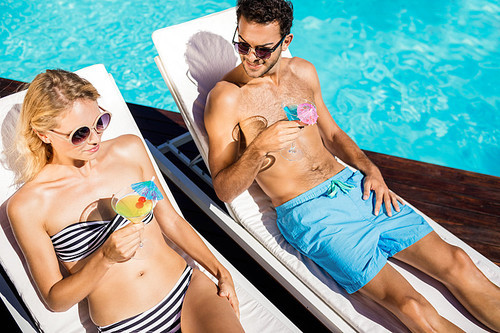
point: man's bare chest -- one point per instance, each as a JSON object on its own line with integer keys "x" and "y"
{"x": 268, "y": 101}
{"x": 261, "y": 102}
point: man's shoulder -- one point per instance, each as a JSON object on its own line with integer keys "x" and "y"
{"x": 221, "y": 106}
{"x": 299, "y": 65}
{"x": 225, "y": 93}
{"x": 231, "y": 82}
{"x": 225, "y": 87}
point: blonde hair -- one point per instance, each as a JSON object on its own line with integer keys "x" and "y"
{"x": 49, "y": 96}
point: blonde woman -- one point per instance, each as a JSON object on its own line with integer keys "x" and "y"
{"x": 62, "y": 213}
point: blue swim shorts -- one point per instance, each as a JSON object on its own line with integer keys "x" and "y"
{"x": 336, "y": 228}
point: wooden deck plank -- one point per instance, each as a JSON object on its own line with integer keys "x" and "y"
{"x": 444, "y": 198}
{"x": 488, "y": 192}
{"x": 8, "y": 87}
{"x": 432, "y": 171}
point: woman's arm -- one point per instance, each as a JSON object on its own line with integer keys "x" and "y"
{"x": 26, "y": 215}
{"x": 180, "y": 232}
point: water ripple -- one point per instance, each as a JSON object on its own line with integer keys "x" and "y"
{"x": 416, "y": 79}
{"x": 419, "y": 80}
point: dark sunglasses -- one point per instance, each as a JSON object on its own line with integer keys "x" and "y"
{"x": 261, "y": 52}
{"x": 80, "y": 135}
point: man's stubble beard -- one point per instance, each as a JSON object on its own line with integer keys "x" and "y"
{"x": 265, "y": 72}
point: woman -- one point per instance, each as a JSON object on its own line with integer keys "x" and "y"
{"x": 69, "y": 176}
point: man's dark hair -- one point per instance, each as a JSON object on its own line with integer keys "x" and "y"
{"x": 267, "y": 11}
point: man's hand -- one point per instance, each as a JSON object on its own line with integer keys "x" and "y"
{"x": 226, "y": 289}
{"x": 375, "y": 182}
{"x": 278, "y": 136}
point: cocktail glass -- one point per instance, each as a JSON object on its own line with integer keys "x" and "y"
{"x": 293, "y": 108}
{"x": 134, "y": 207}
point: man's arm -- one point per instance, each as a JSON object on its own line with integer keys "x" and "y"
{"x": 341, "y": 145}
{"x": 232, "y": 175}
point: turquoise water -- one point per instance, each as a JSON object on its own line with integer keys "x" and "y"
{"x": 416, "y": 79}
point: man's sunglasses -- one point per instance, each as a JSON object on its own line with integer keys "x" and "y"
{"x": 261, "y": 52}
{"x": 78, "y": 136}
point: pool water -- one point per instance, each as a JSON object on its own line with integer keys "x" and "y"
{"x": 416, "y": 79}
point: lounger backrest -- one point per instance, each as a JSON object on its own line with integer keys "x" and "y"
{"x": 209, "y": 54}
{"x": 203, "y": 53}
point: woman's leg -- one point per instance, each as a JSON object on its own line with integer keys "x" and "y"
{"x": 452, "y": 266}
{"x": 391, "y": 290}
{"x": 204, "y": 310}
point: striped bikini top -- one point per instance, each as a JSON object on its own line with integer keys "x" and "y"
{"x": 79, "y": 240}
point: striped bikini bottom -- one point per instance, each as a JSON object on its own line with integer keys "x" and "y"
{"x": 163, "y": 317}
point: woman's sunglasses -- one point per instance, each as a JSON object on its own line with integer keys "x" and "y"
{"x": 261, "y": 52}
{"x": 78, "y": 136}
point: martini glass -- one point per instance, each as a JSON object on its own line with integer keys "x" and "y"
{"x": 297, "y": 109}
{"x": 132, "y": 206}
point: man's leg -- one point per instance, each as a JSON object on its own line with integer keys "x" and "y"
{"x": 452, "y": 266}
{"x": 391, "y": 290}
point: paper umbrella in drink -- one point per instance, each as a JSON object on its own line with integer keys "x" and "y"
{"x": 148, "y": 189}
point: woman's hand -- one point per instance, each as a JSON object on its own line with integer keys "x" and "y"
{"x": 226, "y": 289}
{"x": 123, "y": 243}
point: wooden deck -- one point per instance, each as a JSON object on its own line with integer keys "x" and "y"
{"x": 465, "y": 203}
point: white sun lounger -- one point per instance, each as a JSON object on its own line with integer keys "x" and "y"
{"x": 192, "y": 57}
{"x": 257, "y": 313}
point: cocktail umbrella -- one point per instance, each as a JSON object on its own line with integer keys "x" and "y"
{"x": 148, "y": 189}
{"x": 307, "y": 113}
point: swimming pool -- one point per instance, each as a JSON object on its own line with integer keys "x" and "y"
{"x": 416, "y": 79}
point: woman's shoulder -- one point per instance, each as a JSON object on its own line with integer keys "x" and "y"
{"x": 128, "y": 149}
{"x": 26, "y": 200}
{"x": 123, "y": 144}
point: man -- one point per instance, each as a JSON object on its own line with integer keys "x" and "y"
{"x": 347, "y": 223}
